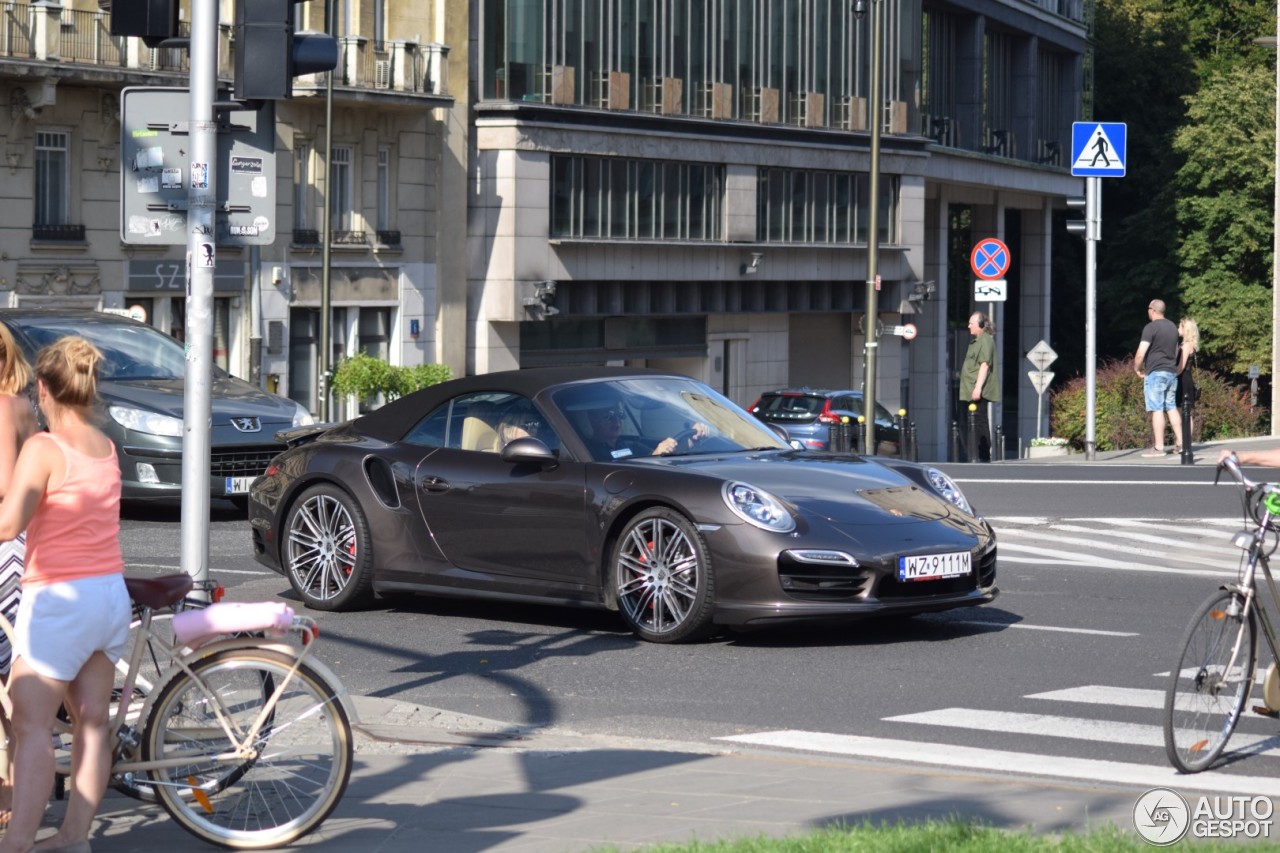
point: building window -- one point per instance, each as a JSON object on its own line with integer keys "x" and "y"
{"x": 302, "y": 187}
{"x": 613, "y": 198}
{"x": 384, "y": 189}
{"x": 52, "y": 177}
{"x": 340, "y": 207}
{"x": 767, "y": 60}
{"x": 794, "y": 206}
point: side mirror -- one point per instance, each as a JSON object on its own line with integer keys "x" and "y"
{"x": 528, "y": 451}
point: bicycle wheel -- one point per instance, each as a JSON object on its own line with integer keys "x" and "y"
{"x": 1204, "y": 699}
{"x": 301, "y": 759}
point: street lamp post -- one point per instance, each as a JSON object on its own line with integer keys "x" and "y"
{"x": 875, "y": 109}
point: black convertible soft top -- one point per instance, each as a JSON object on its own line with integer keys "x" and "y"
{"x": 392, "y": 421}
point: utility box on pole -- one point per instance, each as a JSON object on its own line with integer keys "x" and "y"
{"x": 155, "y": 175}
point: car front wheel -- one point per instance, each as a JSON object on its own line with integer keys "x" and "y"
{"x": 662, "y": 577}
{"x": 327, "y": 551}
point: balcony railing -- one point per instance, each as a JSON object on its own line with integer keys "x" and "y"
{"x": 311, "y": 237}
{"x": 62, "y": 233}
{"x": 49, "y": 32}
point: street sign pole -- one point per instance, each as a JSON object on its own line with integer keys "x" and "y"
{"x": 1093, "y": 233}
{"x": 202, "y": 193}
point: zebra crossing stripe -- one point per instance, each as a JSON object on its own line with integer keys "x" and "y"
{"x": 1072, "y": 728}
{"x": 998, "y": 761}
{"x": 1045, "y": 556}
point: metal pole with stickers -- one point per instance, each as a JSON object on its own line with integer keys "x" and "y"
{"x": 202, "y": 259}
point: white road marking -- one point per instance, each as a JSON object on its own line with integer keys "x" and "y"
{"x": 1073, "y": 728}
{"x": 1092, "y": 561}
{"x": 1098, "y": 694}
{"x": 1086, "y": 482}
{"x": 214, "y": 572}
{"x": 997, "y": 761}
{"x": 988, "y": 624}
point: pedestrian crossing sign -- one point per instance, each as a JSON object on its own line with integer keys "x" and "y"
{"x": 1098, "y": 149}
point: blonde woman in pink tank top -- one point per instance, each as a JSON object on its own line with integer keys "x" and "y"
{"x": 73, "y": 620}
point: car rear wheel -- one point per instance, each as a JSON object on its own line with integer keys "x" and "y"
{"x": 328, "y": 554}
{"x": 662, "y": 577}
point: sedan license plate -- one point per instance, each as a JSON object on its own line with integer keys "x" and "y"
{"x": 238, "y": 485}
{"x": 927, "y": 567}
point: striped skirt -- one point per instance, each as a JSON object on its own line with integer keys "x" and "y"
{"x": 12, "y": 555}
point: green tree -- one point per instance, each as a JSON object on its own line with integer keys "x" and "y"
{"x": 1225, "y": 192}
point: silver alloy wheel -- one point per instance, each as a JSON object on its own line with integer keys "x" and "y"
{"x": 658, "y": 575}
{"x": 322, "y": 547}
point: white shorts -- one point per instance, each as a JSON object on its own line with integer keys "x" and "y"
{"x": 60, "y": 625}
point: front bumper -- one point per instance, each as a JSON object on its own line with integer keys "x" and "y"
{"x": 155, "y": 473}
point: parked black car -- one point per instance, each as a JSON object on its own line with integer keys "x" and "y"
{"x": 807, "y": 415}
{"x": 637, "y": 491}
{"x": 141, "y": 386}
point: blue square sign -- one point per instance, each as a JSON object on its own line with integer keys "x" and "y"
{"x": 1098, "y": 149}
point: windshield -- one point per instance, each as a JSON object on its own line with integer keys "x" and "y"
{"x": 129, "y": 350}
{"x": 645, "y": 416}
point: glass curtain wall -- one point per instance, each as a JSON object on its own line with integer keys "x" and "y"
{"x": 797, "y": 61}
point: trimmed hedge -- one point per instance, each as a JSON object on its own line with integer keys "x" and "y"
{"x": 366, "y": 377}
{"x": 1122, "y": 421}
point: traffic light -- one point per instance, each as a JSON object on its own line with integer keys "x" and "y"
{"x": 269, "y": 54}
{"x": 1090, "y": 228}
{"x": 153, "y": 21}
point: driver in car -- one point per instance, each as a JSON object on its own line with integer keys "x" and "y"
{"x": 607, "y": 441}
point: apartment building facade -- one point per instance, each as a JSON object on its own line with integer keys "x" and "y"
{"x": 62, "y": 76}
{"x": 682, "y": 184}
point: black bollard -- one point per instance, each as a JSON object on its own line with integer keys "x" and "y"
{"x": 911, "y": 440}
{"x": 833, "y": 438}
{"x": 1188, "y": 458}
{"x": 901, "y": 423}
{"x": 973, "y": 432}
{"x": 997, "y": 447}
{"x": 955, "y": 442}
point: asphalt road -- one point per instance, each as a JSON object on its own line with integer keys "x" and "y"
{"x": 1088, "y": 610}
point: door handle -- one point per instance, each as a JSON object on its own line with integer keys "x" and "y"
{"x": 434, "y": 484}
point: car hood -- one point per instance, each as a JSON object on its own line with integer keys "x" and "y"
{"x": 231, "y": 398}
{"x": 840, "y": 489}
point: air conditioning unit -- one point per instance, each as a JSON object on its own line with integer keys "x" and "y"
{"x": 382, "y": 74}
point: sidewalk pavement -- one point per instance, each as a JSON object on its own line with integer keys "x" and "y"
{"x": 1204, "y": 454}
{"x": 429, "y": 779}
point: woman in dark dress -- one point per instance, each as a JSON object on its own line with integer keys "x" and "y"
{"x": 1189, "y": 331}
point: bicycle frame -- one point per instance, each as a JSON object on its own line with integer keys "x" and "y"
{"x": 1253, "y": 542}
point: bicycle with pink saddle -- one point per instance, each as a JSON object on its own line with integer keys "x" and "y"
{"x": 238, "y": 731}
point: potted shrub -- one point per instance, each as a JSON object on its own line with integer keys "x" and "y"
{"x": 366, "y": 379}
{"x": 1047, "y": 447}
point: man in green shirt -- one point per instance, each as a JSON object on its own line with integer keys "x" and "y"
{"x": 980, "y": 381}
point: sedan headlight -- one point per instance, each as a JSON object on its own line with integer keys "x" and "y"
{"x": 301, "y": 417}
{"x": 945, "y": 486}
{"x": 758, "y": 507}
{"x": 141, "y": 420}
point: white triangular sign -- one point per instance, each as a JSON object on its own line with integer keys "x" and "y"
{"x": 1099, "y": 153}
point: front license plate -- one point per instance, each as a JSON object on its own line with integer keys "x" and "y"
{"x": 238, "y": 485}
{"x": 927, "y": 567}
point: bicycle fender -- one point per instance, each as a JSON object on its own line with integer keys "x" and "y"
{"x": 319, "y": 667}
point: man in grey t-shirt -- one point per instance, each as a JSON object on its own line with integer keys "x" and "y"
{"x": 1156, "y": 362}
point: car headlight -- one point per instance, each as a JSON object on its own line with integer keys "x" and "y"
{"x": 947, "y": 487}
{"x": 301, "y": 417}
{"x": 758, "y": 507}
{"x": 141, "y": 420}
